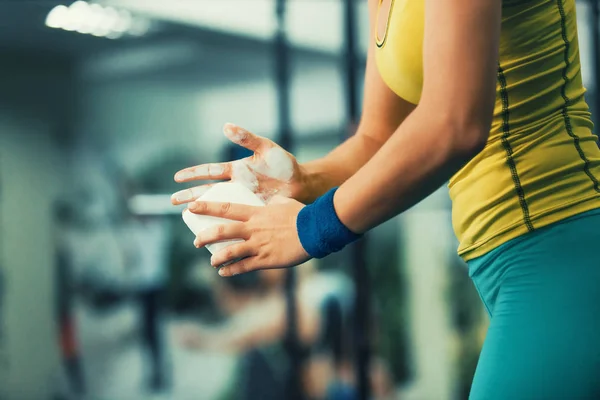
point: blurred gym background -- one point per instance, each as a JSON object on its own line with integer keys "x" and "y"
{"x": 103, "y": 296}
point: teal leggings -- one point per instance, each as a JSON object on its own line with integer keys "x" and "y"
{"x": 542, "y": 293}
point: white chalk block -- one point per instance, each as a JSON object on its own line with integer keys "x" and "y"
{"x": 221, "y": 192}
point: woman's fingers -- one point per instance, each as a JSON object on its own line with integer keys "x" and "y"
{"x": 220, "y": 233}
{"x": 215, "y": 171}
{"x": 231, "y": 253}
{"x": 245, "y": 138}
{"x": 187, "y": 195}
{"x": 241, "y": 267}
{"x": 238, "y": 212}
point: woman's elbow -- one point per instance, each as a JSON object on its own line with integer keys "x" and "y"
{"x": 465, "y": 128}
{"x": 470, "y": 140}
{"x": 466, "y": 135}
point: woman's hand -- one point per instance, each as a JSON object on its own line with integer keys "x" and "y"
{"x": 268, "y": 172}
{"x": 271, "y": 238}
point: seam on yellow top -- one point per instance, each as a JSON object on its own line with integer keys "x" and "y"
{"x": 510, "y": 161}
{"x": 567, "y": 100}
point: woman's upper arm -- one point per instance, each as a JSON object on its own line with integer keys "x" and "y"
{"x": 383, "y": 111}
{"x": 460, "y": 63}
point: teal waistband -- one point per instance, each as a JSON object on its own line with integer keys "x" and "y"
{"x": 578, "y": 227}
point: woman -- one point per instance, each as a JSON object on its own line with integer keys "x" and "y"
{"x": 487, "y": 94}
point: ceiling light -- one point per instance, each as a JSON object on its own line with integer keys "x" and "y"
{"x": 114, "y": 35}
{"x": 57, "y": 17}
{"x": 91, "y": 19}
{"x": 96, "y": 20}
{"x": 124, "y": 22}
{"x": 139, "y": 27}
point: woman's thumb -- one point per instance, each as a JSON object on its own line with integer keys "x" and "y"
{"x": 243, "y": 137}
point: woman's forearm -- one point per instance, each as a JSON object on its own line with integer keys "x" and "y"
{"x": 339, "y": 165}
{"x": 421, "y": 155}
{"x": 449, "y": 126}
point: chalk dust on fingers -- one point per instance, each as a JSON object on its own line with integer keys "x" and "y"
{"x": 235, "y": 133}
{"x": 190, "y": 194}
{"x": 243, "y": 174}
{"x": 209, "y": 170}
{"x": 201, "y": 171}
{"x": 275, "y": 163}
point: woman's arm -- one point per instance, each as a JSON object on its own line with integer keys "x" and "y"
{"x": 448, "y": 128}
{"x": 383, "y": 111}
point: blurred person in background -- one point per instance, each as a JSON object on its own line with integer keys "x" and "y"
{"x": 382, "y": 382}
{"x": 146, "y": 243}
{"x": 257, "y": 321}
{"x": 324, "y": 380}
{"x": 258, "y": 316}
{"x": 504, "y": 119}
{"x": 93, "y": 277}
{"x": 101, "y": 273}
{"x": 65, "y": 220}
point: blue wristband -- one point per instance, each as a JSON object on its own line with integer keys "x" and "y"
{"x": 320, "y": 230}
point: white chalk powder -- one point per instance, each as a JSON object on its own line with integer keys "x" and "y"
{"x": 241, "y": 172}
{"x": 277, "y": 165}
{"x": 235, "y": 133}
{"x": 221, "y": 192}
{"x": 271, "y": 163}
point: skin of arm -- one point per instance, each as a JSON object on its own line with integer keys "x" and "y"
{"x": 383, "y": 111}
{"x": 449, "y": 126}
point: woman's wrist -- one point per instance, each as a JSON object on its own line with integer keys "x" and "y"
{"x": 320, "y": 230}
{"x": 313, "y": 183}
{"x": 303, "y": 188}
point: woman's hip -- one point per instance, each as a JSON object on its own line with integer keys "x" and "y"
{"x": 548, "y": 262}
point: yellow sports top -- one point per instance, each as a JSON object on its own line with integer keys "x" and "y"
{"x": 541, "y": 163}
